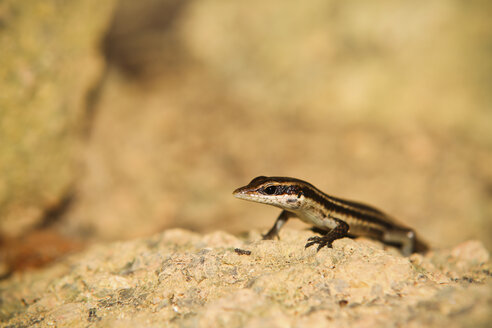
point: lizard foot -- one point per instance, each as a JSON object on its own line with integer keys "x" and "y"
{"x": 321, "y": 241}
{"x": 270, "y": 236}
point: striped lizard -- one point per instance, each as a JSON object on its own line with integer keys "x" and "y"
{"x": 331, "y": 216}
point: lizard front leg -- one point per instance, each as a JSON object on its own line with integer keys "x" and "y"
{"x": 338, "y": 232}
{"x": 282, "y": 218}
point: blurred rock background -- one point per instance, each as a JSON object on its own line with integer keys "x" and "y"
{"x": 121, "y": 119}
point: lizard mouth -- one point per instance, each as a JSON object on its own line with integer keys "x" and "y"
{"x": 242, "y": 193}
{"x": 247, "y": 194}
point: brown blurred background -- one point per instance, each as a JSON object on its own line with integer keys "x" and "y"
{"x": 119, "y": 119}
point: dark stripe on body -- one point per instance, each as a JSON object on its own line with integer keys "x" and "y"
{"x": 357, "y": 205}
{"x": 349, "y": 211}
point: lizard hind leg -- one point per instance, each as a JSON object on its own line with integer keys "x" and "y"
{"x": 404, "y": 238}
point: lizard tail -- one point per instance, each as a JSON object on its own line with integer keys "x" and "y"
{"x": 421, "y": 246}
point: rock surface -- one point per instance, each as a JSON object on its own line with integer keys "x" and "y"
{"x": 182, "y": 279}
{"x": 49, "y": 61}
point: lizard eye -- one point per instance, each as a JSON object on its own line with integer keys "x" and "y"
{"x": 270, "y": 190}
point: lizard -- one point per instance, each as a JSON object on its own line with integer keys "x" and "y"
{"x": 331, "y": 216}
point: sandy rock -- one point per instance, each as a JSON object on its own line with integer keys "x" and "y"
{"x": 183, "y": 279}
{"x": 471, "y": 251}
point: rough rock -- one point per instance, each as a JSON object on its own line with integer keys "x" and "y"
{"x": 49, "y": 61}
{"x": 182, "y": 279}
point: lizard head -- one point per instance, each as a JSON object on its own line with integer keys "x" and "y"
{"x": 282, "y": 192}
